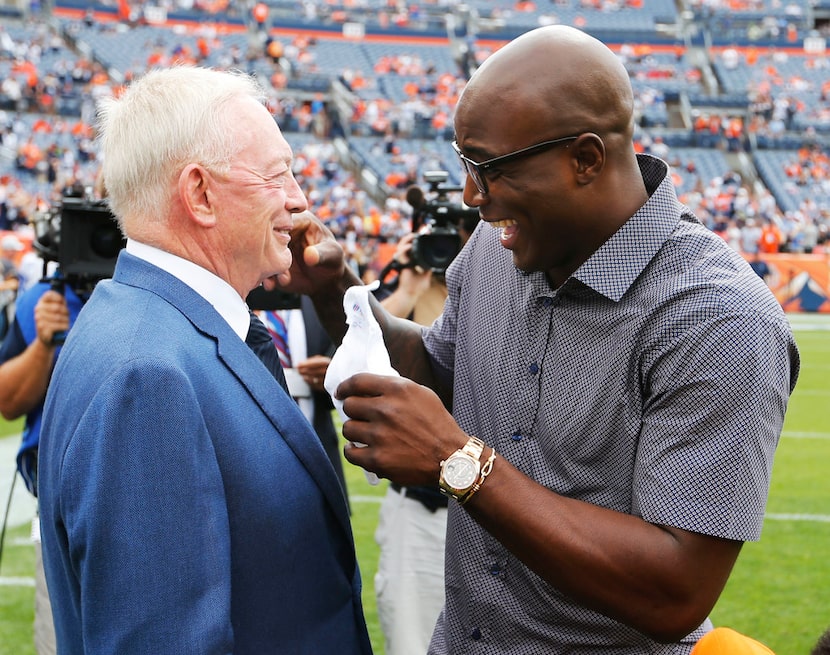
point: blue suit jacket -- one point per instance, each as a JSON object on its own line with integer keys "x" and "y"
{"x": 186, "y": 504}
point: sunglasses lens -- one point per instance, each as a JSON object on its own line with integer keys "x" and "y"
{"x": 475, "y": 175}
{"x": 472, "y": 171}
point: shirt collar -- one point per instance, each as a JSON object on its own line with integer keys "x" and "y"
{"x": 211, "y": 287}
{"x": 614, "y": 267}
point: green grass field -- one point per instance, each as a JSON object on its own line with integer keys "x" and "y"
{"x": 777, "y": 593}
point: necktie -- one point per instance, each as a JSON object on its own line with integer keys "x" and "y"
{"x": 275, "y": 323}
{"x": 259, "y": 340}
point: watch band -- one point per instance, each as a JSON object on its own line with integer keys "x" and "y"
{"x": 474, "y": 447}
{"x": 485, "y": 471}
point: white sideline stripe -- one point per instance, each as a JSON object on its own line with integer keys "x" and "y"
{"x": 17, "y": 582}
{"x": 366, "y": 499}
{"x": 813, "y": 518}
{"x": 805, "y": 435}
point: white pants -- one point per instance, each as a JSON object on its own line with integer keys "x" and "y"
{"x": 44, "y": 628}
{"x": 409, "y": 584}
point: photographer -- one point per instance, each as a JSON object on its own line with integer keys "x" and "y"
{"x": 411, "y": 532}
{"x": 27, "y": 357}
{"x": 412, "y": 523}
{"x": 76, "y": 235}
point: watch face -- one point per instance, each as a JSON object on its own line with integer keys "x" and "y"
{"x": 460, "y": 472}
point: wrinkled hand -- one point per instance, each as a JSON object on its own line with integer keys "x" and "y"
{"x": 51, "y": 316}
{"x": 405, "y": 427}
{"x": 313, "y": 370}
{"x": 318, "y": 258}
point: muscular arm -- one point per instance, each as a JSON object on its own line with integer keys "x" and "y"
{"x": 25, "y": 378}
{"x": 319, "y": 271}
{"x": 660, "y": 580}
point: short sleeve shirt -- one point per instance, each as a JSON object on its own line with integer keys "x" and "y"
{"x": 653, "y": 382}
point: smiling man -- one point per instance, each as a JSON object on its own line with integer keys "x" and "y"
{"x": 187, "y": 505}
{"x": 617, "y": 375}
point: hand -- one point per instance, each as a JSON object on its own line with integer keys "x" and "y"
{"x": 313, "y": 370}
{"x": 413, "y": 281}
{"x": 51, "y": 316}
{"x": 404, "y": 425}
{"x": 318, "y": 259}
{"x": 403, "y": 251}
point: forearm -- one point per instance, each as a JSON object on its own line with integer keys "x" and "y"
{"x": 24, "y": 380}
{"x": 402, "y": 337}
{"x": 406, "y": 347}
{"x": 661, "y": 581}
{"x": 399, "y": 303}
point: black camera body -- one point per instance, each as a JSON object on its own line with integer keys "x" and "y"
{"x": 436, "y": 221}
{"x": 259, "y": 298}
{"x": 83, "y": 237}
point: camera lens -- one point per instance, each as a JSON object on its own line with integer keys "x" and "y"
{"x": 106, "y": 241}
{"x": 437, "y": 250}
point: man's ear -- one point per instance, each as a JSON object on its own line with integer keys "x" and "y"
{"x": 196, "y": 191}
{"x": 589, "y": 153}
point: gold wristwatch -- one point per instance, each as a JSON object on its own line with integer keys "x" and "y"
{"x": 460, "y": 470}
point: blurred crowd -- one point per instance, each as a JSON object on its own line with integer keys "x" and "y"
{"x": 48, "y": 93}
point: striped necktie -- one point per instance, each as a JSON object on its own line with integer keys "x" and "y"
{"x": 275, "y": 323}
{"x": 259, "y": 340}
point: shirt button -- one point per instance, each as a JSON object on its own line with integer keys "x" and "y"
{"x": 495, "y": 569}
{"x": 476, "y": 634}
{"x": 533, "y": 368}
{"x": 547, "y": 302}
{"x": 516, "y": 436}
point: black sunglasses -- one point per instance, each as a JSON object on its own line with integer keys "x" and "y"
{"x": 476, "y": 169}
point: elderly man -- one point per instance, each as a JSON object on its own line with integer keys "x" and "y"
{"x": 187, "y": 506}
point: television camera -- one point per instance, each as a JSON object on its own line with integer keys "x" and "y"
{"x": 436, "y": 220}
{"x": 82, "y": 236}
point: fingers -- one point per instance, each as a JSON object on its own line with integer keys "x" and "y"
{"x": 51, "y": 316}
{"x": 365, "y": 385}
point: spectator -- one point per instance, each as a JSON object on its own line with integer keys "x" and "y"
{"x": 10, "y": 249}
{"x": 305, "y": 352}
{"x": 760, "y": 267}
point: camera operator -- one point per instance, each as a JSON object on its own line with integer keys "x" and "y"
{"x": 411, "y": 532}
{"x": 27, "y": 357}
{"x": 69, "y": 236}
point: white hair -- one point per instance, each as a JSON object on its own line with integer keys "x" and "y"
{"x": 162, "y": 122}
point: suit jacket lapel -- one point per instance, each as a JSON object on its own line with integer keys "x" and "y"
{"x": 280, "y": 409}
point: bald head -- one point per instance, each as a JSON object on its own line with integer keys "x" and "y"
{"x": 557, "y": 75}
{"x": 553, "y": 86}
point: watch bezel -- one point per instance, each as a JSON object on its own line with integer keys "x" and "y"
{"x": 447, "y": 467}
{"x": 471, "y": 452}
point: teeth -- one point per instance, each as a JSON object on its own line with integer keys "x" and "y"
{"x": 503, "y": 224}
